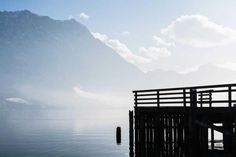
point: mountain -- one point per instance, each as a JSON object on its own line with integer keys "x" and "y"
{"x": 53, "y": 53}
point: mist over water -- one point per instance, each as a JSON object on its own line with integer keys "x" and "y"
{"x": 58, "y": 133}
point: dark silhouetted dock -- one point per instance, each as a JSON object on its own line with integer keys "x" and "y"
{"x": 184, "y": 122}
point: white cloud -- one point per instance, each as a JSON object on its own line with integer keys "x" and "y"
{"x": 121, "y": 49}
{"x": 186, "y": 69}
{"x": 99, "y": 36}
{"x": 154, "y": 53}
{"x": 17, "y": 100}
{"x": 85, "y": 94}
{"x": 199, "y": 31}
{"x": 125, "y": 52}
{"x": 103, "y": 98}
{"x": 84, "y": 16}
{"x": 142, "y": 57}
{"x": 228, "y": 65}
{"x": 125, "y": 33}
{"x": 73, "y": 97}
{"x": 161, "y": 42}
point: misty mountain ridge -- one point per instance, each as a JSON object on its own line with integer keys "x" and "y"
{"x": 37, "y": 47}
{"x": 40, "y": 53}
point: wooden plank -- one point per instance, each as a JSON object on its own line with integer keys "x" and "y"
{"x": 182, "y": 102}
{"x": 212, "y": 139}
{"x": 175, "y": 134}
{"x": 148, "y": 139}
{"x": 142, "y": 136}
{"x": 163, "y": 135}
{"x": 166, "y": 136}
{"x": 171, "y": 135}
{"x": 137, "y": 133}
{"x": 131, "y": 134}
{"x": 156, "y": 136}
{"x": 181, "y": 138}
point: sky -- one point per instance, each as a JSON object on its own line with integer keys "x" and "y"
{"x": 155, "y": 34}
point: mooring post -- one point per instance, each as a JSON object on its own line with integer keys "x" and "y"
{"x": 118, "y": 135}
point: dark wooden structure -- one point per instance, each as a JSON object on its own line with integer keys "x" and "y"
{"x": 118, "y": 135}
{"x": 184, "y": 122}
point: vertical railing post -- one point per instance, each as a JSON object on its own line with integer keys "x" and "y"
{"x": 135, "y": 99}
{"x": 210, "y": 98}
{"x": 158, "y": 99}
{"x": 230, "y": 96}
{"x": 201, "y": 98}
{"x": 193, "y": 98}
{"x": 184, "y": 97}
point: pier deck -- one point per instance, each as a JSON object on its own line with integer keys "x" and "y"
{"x": 184, "y": 122}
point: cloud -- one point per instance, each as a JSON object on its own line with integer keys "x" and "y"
{"x": 85, "y": 94}
{"x": 125, "y": 33}
{"x": 161, "y": 42}
{"x": 198, "y": 31}
{"x": 103, "y": 98}
{"x": 143, "y": 56}
{"x": 74, "y": 97}
{"x": 84, "y": 16}
{"x": 99, "y": 36}
{"x": 17, "y": 100}
{"x": 186, "y": 69}
{"x": 228, "y": 65}
{"x": 125, "y": 52}
{"x": 121, "y": 49}
{"x": 154, "y": 53}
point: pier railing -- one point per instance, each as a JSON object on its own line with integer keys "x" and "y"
{"x": 223, "y": 95}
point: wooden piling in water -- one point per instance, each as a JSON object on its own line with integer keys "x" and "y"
{"x": 118, "y": 135}
{"x": 131, "y": 134}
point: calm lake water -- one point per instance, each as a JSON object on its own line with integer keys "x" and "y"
{"x": 62, "y": 133}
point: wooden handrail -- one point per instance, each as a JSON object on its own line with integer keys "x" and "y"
{"x": 181, "y": 88}
{"x": 182, "y": 95}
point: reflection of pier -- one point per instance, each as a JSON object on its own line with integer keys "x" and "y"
{"x": 184, "y": 122}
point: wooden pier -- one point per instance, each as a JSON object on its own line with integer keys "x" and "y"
{"x": 184, "y": 122}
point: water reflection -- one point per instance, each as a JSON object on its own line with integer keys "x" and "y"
{"x": 57, "y": 133}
